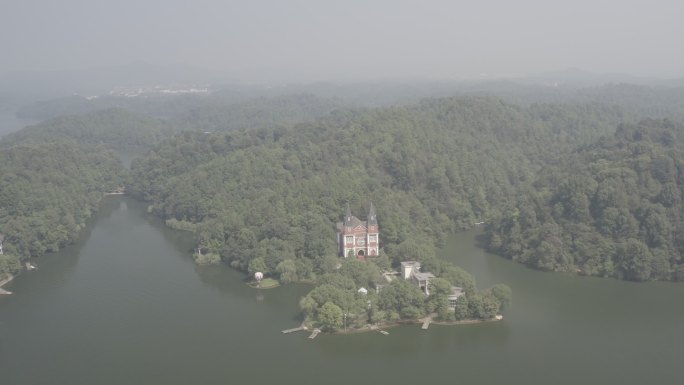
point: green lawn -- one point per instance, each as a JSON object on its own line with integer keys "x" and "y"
{"x": 266, "y": 283}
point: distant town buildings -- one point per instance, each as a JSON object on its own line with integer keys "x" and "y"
{"x": 158, "y": 90}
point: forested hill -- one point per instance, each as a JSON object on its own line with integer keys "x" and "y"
{"x": 559, "y": 187}
{"x": 47, "y": 192}
{"x": 220, "y": 111}
{"x": 263, "y": 112}
{"x": 639, "y": 101}
{"x": 230, "y": 106}
{"x": 113, "y": 128}
{"x": 613, "y": 208}
{"x": 431, "y": 169}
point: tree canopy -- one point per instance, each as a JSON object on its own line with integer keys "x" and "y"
{"x": 47, "y": 193}
{"x": 612, "y": 208}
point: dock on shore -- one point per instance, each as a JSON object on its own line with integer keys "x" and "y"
{"x": 3, "y": 282}
{"x": 314, "y": 333}
{"x": 375, "y": 327}
{"x": 426, "y": 324}
{"x": 299, "y": 329}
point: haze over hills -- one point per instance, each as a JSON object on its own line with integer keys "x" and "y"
{"x": 178, "y": 157}
{"x": 576, "y": 77}
{"x": 101, "y": 80}
{"x": 653, "y": 97}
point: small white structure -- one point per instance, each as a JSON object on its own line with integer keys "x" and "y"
{"x": 363, "y": 291}
{"x": 258, "y": 276}
{"x": 408, "y": 268}
{"x": 456, "y": 293}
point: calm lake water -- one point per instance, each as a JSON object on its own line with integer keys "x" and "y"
{"x": 10, "y": 123}
{"x": 126, "y": 305}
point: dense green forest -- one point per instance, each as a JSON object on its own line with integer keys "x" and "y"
{"x": 612, "y": 208}
{"x": 219, "y": 111}
{"x": 47, "y": 193}
{"x": 267, "y": 199}
{"x": 432, "y": 168}
{"x": 115, "y": 128}
{"x": 569, "y": 186}
{"x": 283, "y": 111}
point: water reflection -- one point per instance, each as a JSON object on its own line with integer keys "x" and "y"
{"x": 56, "y": 268}
{"x": 135, "y": 306}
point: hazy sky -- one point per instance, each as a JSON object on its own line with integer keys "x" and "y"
{"x": 347, "y": 39}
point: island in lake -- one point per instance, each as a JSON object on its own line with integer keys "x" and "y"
{"x": 363, "y": 291}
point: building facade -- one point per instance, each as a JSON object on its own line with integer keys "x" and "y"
{"x": 357, "y": 238}
{"x": 456, "y": 293}
{"x": 410, "y": 270}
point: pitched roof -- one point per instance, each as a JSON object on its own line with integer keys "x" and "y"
{"x": 350, "y": 220}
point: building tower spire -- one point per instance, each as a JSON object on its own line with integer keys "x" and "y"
{"x": 348, "y": 215}
{"x": 372, "y": 220}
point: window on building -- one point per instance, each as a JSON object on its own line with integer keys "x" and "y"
{"x": 373, "y": 238}
{"x": 350, "y": 239}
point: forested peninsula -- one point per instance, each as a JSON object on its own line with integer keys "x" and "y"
{"x": 612, "y": 208}
{"x": 54, "y": 174}
{"x": 432, "y": 168}
{"x": 48, "y": 191}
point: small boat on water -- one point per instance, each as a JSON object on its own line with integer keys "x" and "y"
{"x": 30, "y": 266}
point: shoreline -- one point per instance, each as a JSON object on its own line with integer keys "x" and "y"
{"x": 389, "y": 325}
{"x": 4, "y": 282}
{"x": 253, "y": 286}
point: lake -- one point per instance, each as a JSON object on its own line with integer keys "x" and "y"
{"x": 126, "y": 305}
{"x": 9, "y": 122}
